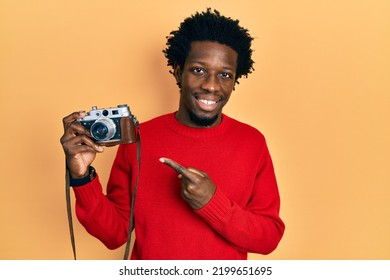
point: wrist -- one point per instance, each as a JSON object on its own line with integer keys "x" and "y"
{"x": 77, "y": 182}
{"x": 78, "y": 176}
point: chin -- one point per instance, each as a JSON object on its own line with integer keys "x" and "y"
{"x": 203, "y": 120}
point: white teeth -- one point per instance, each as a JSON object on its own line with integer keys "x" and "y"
{"x": 208, "y": 102}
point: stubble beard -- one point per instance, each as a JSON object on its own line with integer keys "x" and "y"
{"x": 200, "y": 121}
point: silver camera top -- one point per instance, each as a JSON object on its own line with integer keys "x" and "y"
{"x": 115, "y": 112}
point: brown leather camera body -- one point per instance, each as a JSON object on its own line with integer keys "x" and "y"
{"x": 128, "y": 133}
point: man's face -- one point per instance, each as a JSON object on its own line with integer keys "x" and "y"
{"x": 207, "y": 80}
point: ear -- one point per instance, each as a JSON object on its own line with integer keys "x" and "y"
{"x": 177, "y": 72}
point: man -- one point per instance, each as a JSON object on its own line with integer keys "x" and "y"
{"x": 207, "y": 188}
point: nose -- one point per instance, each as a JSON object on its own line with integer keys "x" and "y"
{"x": 211, "y": 84}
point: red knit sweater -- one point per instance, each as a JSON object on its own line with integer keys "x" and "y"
{"x": 241, "y": 217}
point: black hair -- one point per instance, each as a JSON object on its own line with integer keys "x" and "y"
{"x": 210, "y": 26}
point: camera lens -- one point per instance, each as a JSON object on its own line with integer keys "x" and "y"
{"x": 103, "y": 129}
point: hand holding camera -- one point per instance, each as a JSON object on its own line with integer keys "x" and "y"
{"x": 86, "y": 133}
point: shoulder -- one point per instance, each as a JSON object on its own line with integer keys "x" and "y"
{"x": 244, "y": 129}
{"x": 156, "y": 120}
{"x": 249, "y": 141}
{"x": 155, "y": 124}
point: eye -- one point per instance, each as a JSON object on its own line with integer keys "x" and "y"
{"x": 197, "y": 70}
{"x": 226, "y": 75}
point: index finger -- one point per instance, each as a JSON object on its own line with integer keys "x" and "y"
{"x": 173, "y": 164}
{"x": 72, "y": 117}
{"x": 185, "y": 172}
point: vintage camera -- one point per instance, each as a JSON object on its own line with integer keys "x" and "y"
{"x": 111, "y": 126}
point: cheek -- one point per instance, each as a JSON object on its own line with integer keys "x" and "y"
{"x": 229, "y": 84}
{"x": 188, "y": 86}
{"x": 228, "y": 89}
{"x": 185, "y": 95}
{"x": 190, "y": 82}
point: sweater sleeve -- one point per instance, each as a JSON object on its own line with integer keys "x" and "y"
{"x": 106, "y": 217}
{"x": 256, "y": 227}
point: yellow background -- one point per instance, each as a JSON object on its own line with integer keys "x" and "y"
{"x": 320, "y": 94}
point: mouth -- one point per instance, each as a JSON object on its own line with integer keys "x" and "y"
{"x": 207, "y": 104}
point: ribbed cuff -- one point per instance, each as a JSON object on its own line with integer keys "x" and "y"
{"x": 78, "y": 182}
{"x": 216, "y": 209}
{"x": 90, "y": 192}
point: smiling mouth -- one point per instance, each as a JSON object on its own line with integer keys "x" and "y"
{"x": 207, "y": 105}
{"x": 206, "y": 101}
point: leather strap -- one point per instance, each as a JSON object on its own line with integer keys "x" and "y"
{"x": 132, "y": 199}
{"x": 69, "y": 210}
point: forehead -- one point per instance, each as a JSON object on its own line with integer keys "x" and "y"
{"x": 212, "y": 53}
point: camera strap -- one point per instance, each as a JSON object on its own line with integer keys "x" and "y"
{"x": 69, "y": 210}
{"x": 132, "y": 199}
